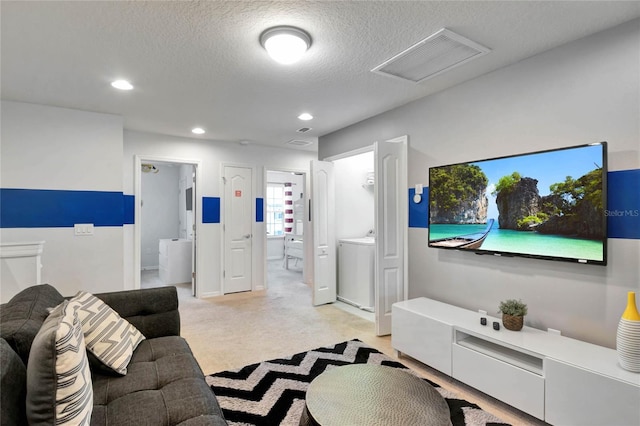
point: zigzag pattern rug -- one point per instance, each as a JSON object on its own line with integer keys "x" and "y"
{"x": 272, "y": 392}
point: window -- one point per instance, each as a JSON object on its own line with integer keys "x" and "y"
{"x": 275, "y": 209}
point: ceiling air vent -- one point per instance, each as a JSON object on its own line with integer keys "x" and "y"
{"x": 298, "y": 142}
{"x": 303, "y": 129}
{"x": 434, "y": 55}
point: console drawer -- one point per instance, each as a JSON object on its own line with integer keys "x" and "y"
{"x": 422, "y": 338}
{"x": 575, "y": 396}
{"x": 511, "y": 384}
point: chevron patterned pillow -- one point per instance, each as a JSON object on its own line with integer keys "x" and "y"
{"x": 108, "y": 336}
{"x": 59, "y": 387}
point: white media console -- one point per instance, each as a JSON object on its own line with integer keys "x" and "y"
{"x": 557, "y": 379}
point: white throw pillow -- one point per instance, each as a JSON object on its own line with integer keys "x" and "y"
{"x": 107, "y": 335}
{"x": 59, "y": 387}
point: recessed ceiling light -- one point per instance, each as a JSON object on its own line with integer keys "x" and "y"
{"x": 122, "y": 85}
{"x": 197, "y": 130}
{"x": 305, "y": 116}
{"x": 284, "y": 44}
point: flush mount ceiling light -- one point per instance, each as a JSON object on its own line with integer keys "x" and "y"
{"x": 122, "y": 85}
{"x": 305, "y": 116}
{"x": 284, "y": 44}
{"x": 197, "y": 131}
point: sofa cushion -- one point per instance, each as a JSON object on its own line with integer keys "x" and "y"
{"x": 164, "y": 385}
{"x": 22, "y": 317}
{"x": 13, "y": 386}
{"x": 153, "y": 311}
{"x": 108, "y": 336}
{"x": 59, "y": 387}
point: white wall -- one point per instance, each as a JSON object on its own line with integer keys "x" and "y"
{"x": 355, "y": 203}
{"x": 212, "y": 154}
{"x": 585, "y": 91}
{"x": 160, "y": 211}
{"x": 46, "y": 147}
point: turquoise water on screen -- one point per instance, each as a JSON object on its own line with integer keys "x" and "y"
{"x": 506, "y": 240}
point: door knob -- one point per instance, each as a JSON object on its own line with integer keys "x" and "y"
{"x": 247, "y": 236}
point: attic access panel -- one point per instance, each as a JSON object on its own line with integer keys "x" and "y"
{"x": 432, "y": 56}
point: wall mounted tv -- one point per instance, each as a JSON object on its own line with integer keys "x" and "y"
{"x": 547, "y": 205}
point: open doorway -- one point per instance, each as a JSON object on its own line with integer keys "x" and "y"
{"x": 285, "y": 222}
{"x": 390, "y": 228}
{"x": 166, "y": 218}
{"x": 355, "y": 232}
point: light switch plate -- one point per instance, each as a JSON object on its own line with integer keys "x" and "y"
{"x": 83, "y": 229}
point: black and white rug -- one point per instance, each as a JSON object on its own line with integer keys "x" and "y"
{"x": 272, "y": 392}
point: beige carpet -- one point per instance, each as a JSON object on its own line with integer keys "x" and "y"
{"x": 234, "y": 330}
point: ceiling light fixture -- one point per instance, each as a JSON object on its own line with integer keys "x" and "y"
{"x": 305, "y": 116}
{"x": 284, "y": 44}
{"x": 122, "y": 85}
{"x": 197, "y": 130}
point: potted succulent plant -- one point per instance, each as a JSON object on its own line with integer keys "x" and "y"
{"x": 513, "y": 312}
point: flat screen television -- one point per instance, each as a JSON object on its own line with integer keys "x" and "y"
{"x": 547, "y": 204}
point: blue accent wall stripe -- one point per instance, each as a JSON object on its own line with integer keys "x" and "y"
{"x": 210, "y": 209}
{"x": 129, "y": 209}
{"x": 623, "y": 204}
{"x": 42, "y": 208}
{"x": 419, "y": 213}
{"x": 39, "y": 208}
{"x": 259, "y": 209}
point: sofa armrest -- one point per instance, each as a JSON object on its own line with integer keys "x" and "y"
{"x": 153, "y": 311}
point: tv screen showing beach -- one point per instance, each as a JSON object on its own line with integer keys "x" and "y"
{"x": 547, "y": 204}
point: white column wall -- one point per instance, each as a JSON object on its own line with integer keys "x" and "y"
{"x": 585, "y": 91}
{"x": 46, "y": 147}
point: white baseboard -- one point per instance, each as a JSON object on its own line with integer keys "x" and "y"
{"x": 209, "y": 294}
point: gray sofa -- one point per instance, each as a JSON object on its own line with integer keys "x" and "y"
{"x": 164, "y": 384}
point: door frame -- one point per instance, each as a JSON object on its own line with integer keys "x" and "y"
{"x": 306, "y": 252}
{"x": 223, "y": 220}
{"x": 138, "y": 159}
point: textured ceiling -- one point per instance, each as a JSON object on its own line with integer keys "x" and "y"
{"x": 200, "y": 63}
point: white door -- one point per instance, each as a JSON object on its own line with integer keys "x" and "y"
{"x": 237, "y": 229}
{"x": 391, "y": 227}
{"x": 324, "y": 241}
